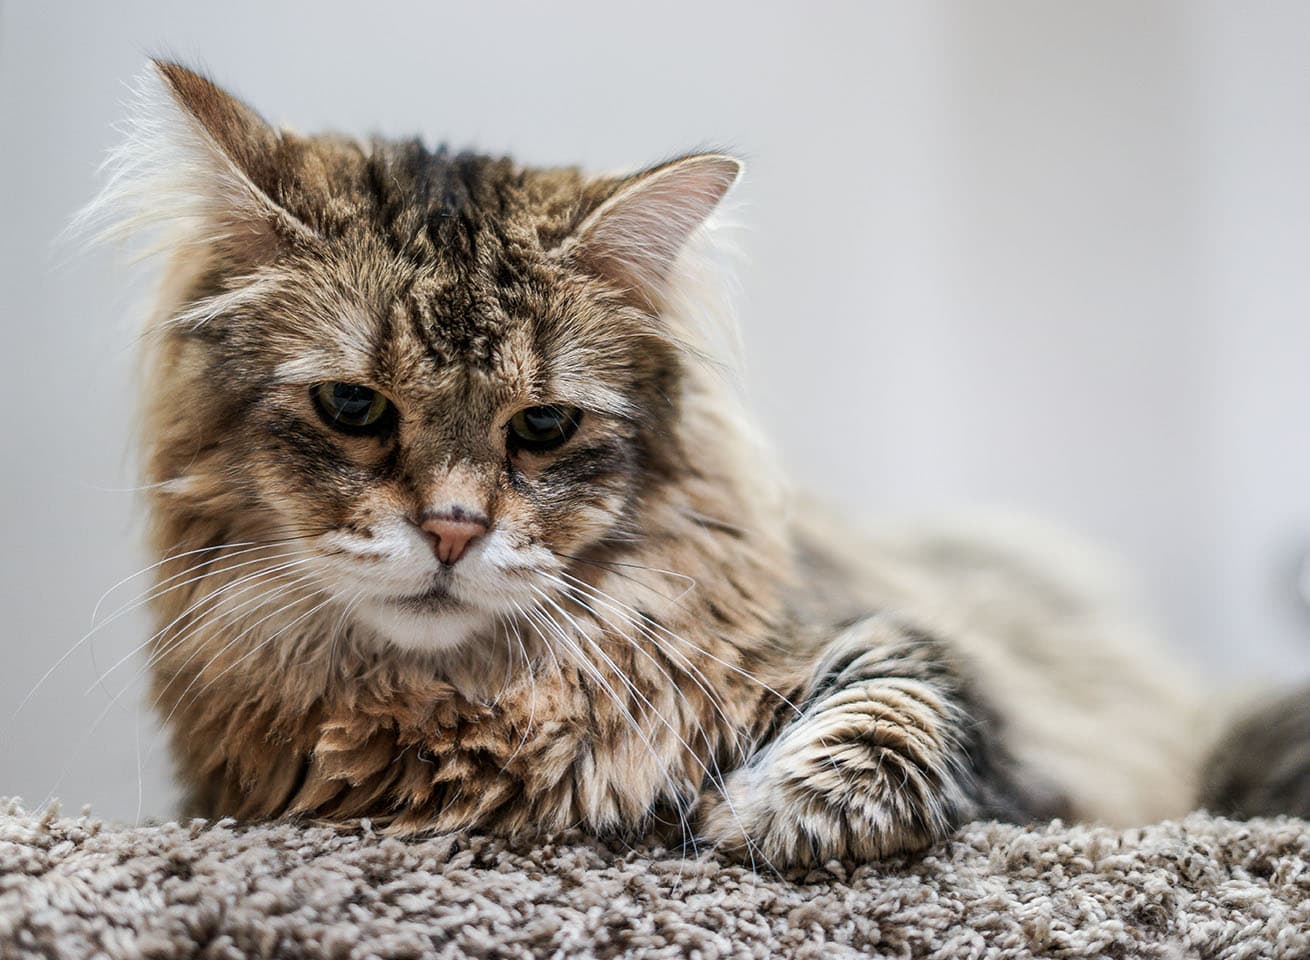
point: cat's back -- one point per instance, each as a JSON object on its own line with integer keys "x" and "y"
{"x": 1043, "y": 624}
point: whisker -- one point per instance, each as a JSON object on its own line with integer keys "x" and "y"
{"x": 95, "y": 725}
{"x": 231, "y": 615}
{"x": 532, "y": 680}
{"x": 599, "y": 596}
{"x": 632, "y": 690}
{"x": 162, "y": 589}
{"x": 84, "y": 639}
{"x": 609, "y": 564}
{"x": 745, "y": 674}
{"x": 250, "y": 544}
{"x": 265, "y": 642}
{"x": 159, "y": 656}
{"x": 715, "y": 777}
{"x": 220, "y": 592}
{"x": 559, "y": 669}
{"x": 181, "y": 700}
{"x": 157, "y": 591}
{"x": 338, "y": 630}
{"x": 594, "y": 672}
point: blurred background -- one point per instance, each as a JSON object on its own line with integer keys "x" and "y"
{"x": 1045, "y": 257}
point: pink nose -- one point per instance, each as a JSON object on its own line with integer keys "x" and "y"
{"x": 451, "y": 535}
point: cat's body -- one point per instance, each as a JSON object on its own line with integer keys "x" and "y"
{"x": 461, "y": 527}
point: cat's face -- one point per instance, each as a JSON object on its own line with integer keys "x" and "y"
{"x": 447, "y": 437}
{"x": 444, "y": 377}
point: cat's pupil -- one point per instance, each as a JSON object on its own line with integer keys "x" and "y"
{"x": 351, "y": 401}
{"x": 352, "y": 408}
{"x": 544, "y": 420}
{"x": 543, "y": 427}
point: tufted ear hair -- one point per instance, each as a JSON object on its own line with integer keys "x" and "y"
{"x": 200, "y": 164}
{"x": 633, "y": 237}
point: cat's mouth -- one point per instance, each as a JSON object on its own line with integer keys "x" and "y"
{"x": 436, "y": 599}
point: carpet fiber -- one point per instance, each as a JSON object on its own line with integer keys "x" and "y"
{"x": 1203, "y": 887}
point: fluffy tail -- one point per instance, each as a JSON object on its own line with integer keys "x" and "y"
{"x": 1261, "y": 768}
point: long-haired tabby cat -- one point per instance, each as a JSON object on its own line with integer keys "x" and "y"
{"x": 462, "y": 524}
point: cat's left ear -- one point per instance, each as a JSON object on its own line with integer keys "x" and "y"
{"x": 634, "y": 237}
{"x": 202, "y": 164}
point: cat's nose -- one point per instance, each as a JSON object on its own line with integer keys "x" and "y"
{"x": 451, "y": 532}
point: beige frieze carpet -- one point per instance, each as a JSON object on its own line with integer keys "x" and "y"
{"x": 1201, "y": 887}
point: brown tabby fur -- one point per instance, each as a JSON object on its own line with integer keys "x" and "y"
{"x": 510, "y": 734}
{"x": 688, "y": 645}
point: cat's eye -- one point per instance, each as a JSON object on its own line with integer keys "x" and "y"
{"x": 543, "y": 428}
{"x": 353, "y": 409}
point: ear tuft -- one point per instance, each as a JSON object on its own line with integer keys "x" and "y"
{"x": 193, "y": 165}
{"x": 237, "y": 131}
{"x": 634, "y": 237}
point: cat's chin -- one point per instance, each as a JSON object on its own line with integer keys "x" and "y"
{"x": 419, "y": 630}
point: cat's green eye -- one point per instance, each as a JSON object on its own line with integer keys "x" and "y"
{"x": 543, "y": 428}
{"x": 353, "y": 409}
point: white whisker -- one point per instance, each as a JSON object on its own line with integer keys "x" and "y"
{"x": 745, "y": 674}
{"x": 84, "y": 639}
{"x": 222, "y": 592}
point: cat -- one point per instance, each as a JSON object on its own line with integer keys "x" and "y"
{"x": 462, "y": 523}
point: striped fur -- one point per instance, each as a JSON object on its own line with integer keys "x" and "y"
{"x": 653, "y": 630}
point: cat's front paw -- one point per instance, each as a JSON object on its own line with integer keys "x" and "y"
{"x": 805, "y": 801}
{"x": 877, "y": 763}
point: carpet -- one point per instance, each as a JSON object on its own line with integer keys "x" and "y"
{"x": 1200, "y": 887}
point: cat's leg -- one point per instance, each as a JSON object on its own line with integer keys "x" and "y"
{"x": 890, "y": 750}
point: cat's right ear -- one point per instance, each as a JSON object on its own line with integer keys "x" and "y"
{"x": 201, "y": 165}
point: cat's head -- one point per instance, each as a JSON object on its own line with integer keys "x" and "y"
{"x": 439, "y": 377}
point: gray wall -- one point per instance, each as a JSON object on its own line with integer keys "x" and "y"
{"x": 1042, "y": 256}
